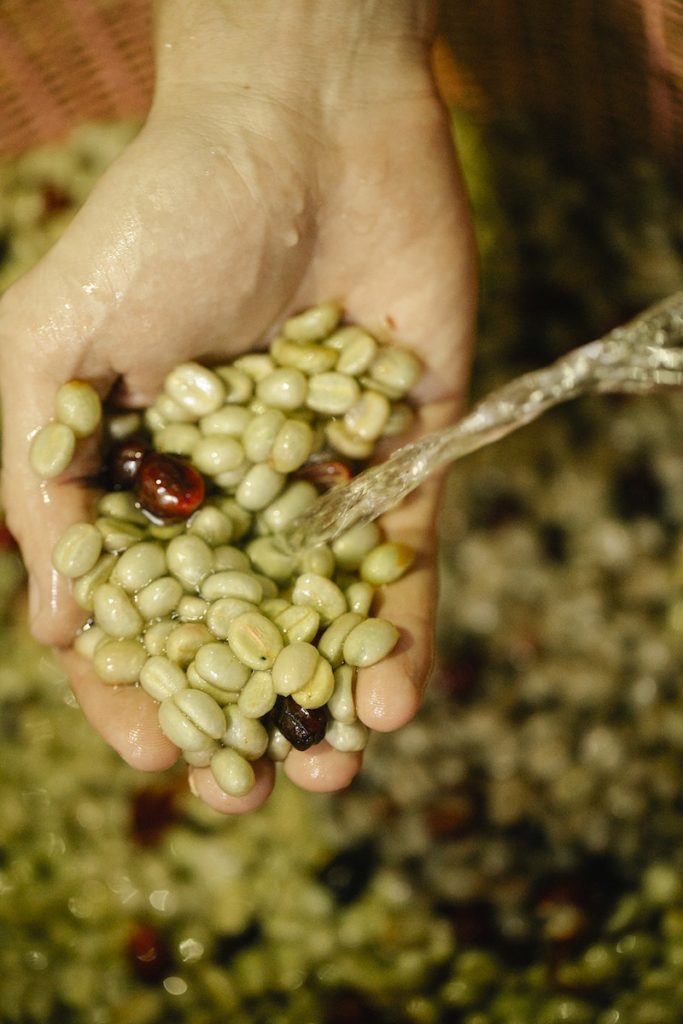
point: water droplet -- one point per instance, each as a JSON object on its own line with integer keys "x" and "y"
{"x": 175, "y": 986}
{"x": 191, "y": 950}
{"x": 162, "y": 900}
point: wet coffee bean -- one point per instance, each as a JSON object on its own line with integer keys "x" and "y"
{"x": 125, "y": 459}
{"x": 303, "y": 727}
{"x": 168, "y": 487}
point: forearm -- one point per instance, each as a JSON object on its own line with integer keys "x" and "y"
{"x": 349, "y": 48}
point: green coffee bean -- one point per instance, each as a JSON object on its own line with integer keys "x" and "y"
{"x": 357, "y": 350}
{"x": 351, "y": 547}
{"x": 195, "y": 388}
{"x": 284, "y": 388}
{"x": 387, "y": 563}
{"x": 318, "y": 559}
{"x": 269, "y": 559}
{"x": 232, "y": 583}
{"x": 257, "y": 696}
{"x": 239, "y": 386}
{"x": 139, "y": 565}
{"x": 185, "y": 640}
{"x": 331, "y": 642}
{"x": 396, "y": 370}
{"x": 159, "y": 598}
{"x": 341, "y": 704}
{"x": 307, "y": 358}
{"x": 121, "y": 505}
{"x": 256, "y": 365}
{"x": 161, "y": 678}
{"x": 192, "y": 608}
{"x": 332, "y": 393}
{"x": 369, "y": 642}
{"x": 190, "y": 559}
{"x": 115, "y": 612}
{"x": 320, "y": 593}
{"x": 298, "y": 623}
{"x": 78, "y": 406}
{"x": 260, "y": 433}
{"x": 167, "y": 411}
{"x": 342, "y": 440}
{"x": 400, "y": 419}
{"x": 231, "y": 478}
{"x": 191, "y": 719}
{"x": 217, "y": 454}
{"x": 165, "y": 531}
{"x": 278, "y": 746}
{"x": 292, "y": 446}
{"x": 118, "y": 534}
{"x": 230, "y": 421}
{"x": 211, "y": 525}
{"x": 177, "y": 438}
{"x": 259, "y": 487}
{"x": 221, "y": 696}
{"x": 272, "y": 606}
{"x": 318, "y": 690}
{"x": 119, "y": 662}
{"x": 228, "y": 557}
{"x": 232, "y": 772}
{"x": 221, "y": 613}
{"x": 294, "y": 667}
{"x": 368, "y": 416}
{"x": 293, "y": 501}
{"x": 200, "y": 758}
{"x": 154, "y": 421}
{"x": 255, "y": 640}
{"x": 313, "y": 324}
{"x": 77, "y": 550}
{"x": 268, "y": 587}
{"x": 360, "y": 596}
{"x": 220, "y": 666}
{"x": 52, "y": 450}
{"x": 243, "y": 734}
{"x": 347, "y": 737}
{"x": 123, "y": 424}
{"x": 87, "y": 640}
{"x": 156, "y": 635}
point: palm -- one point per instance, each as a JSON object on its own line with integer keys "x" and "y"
{"x": 192, "y": 250}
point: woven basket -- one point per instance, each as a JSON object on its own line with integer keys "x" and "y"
{"x": 603, "y": 73}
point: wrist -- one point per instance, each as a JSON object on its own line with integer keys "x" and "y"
{"x": 324, "y": 53}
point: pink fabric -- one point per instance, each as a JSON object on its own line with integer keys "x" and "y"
{"x": 63, "y": 62}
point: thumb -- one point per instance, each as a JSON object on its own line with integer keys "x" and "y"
{"x": 39, "y": 511}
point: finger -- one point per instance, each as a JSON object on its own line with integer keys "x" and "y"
{"x": 39, "y": 511}
{"x": 204, "y": 786}
{"x": 389, "y": 693}
{"x": 125, "y": 716}
{"x": 322, "y": 769}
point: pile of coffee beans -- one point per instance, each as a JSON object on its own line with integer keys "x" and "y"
{"x": 251, "y": 648}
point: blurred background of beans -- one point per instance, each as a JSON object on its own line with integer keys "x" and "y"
{"x": 514, "y": 854}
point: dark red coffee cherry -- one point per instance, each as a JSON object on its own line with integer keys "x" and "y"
{"x": 148, "y": 953}
{"x": 303, "y": 727}
{"x": 125, "y": 459}
{"x": 325, "y": 475}
{"x": 168, "y": 487}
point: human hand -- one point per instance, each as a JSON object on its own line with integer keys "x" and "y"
{"x": 248, "y": 196}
